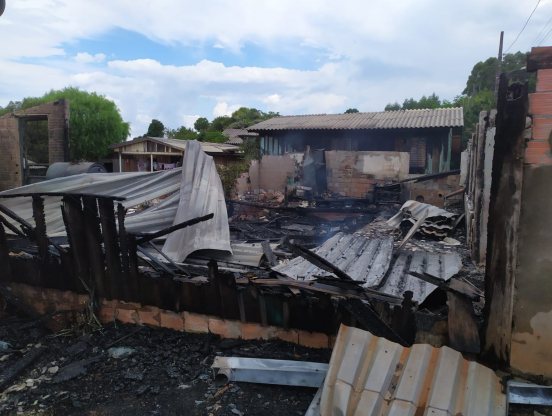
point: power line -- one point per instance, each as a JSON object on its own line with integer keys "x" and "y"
{"x": 538, "y": 36}
{"x": 523, "y": 26}
{"x": 545, "y": 37}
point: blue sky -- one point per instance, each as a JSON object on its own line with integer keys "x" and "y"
{"x": 178, "y": 60}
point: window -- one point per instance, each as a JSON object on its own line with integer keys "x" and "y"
{"x": 271, "y": 146}
{"x": 417, "y": 149}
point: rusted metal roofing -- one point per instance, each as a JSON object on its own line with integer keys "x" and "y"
{"x": 372, "y": 376}
{"x": 428, "y": 118}
{"x": 371, "y": 261}
{"x": 235, "y": 135}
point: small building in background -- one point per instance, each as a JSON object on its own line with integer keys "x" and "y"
{"x": 147, "y": 154}
{"x": 236, "y": 136}
{"x": 432, "y": 137}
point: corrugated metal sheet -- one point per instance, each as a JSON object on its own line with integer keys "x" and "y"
{"x": 428, "y": 118}
{"x": 438, "y": 222}
{"x": 181, "y": 144}
{"x": 201, "y": 193}
{"x": 235, "y": 135}
{"x": 371, "y": 376}
{"x": 360, "y": 258}
{"x": 399, "y": 280}
{"x": 371, "y": 261}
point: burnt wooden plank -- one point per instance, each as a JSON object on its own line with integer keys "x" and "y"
{"x": 504, "y": 215}
{"x": 40, "y": 230}
{"x": 114, "y": 282}
{"x": 214, "y": 285}
{"x": 269, "y": 254}
{"x": 134, "y": 289}
{"x": 93, "y": 238}
{"x": 6, "y": 275}
{"x": 479, "y": 184}
{"x": 463, "y": 331}
{"x": 72, "y": 217}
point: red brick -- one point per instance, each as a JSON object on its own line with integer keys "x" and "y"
{"x": 128, "y": 316}
{"x": 148, "y": 315}
{"x": 541, "y": 128}
{"x": 172, "y": 320}
{"x": 107, "y": 314}
{"x": 255, "y": 331}
{"x": 538, "y": 152}
{"x": 128, "y": 305}
{"x": 81, "y": 299}
{"x": 313, "y": 339}
{"x": 225, "y": 328}
{"x": 289, "y": 336}
{"x": 195, "y": 323}
{"x": 540, "y": 103}
{"x": 544, "y": 80}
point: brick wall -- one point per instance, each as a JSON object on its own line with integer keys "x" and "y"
{"x": 57, "y": 113}
{"x": 355, "y": 173}
{"x": 45, "y": 300}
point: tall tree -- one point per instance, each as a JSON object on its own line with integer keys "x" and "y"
{"x": 182, "y": 133}
{"x": 351, "y": 110}
{"x": 156, "y": 129}
{"x": 220, "y": 123}
{"x": 201, "y": 124}
{"x": 393, "y": 106}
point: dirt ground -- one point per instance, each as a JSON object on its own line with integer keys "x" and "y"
{"x": 167, "y": 373}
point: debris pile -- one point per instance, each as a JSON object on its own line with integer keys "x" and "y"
{"x": 438, "y": 224}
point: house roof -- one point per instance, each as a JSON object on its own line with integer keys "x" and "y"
{"x": 235, "y": 135}
{"x": 181, "y": 144}
{"x": 428, "y": 118}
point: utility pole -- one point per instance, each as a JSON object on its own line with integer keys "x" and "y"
{"x": 499, "y": 66}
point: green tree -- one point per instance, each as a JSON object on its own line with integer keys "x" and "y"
{"x": 201, "y": 124}
{"x": 393, "y": 107}
{"x": 483, "y": 74}
{"x": 156, "y": 129}
{"x": 220, "y": 123}
{"x": 351, "y": 110}
{"x": 95, "y": 122}
{"x": 182, "y": 133}
{"x": 212, "y": 137}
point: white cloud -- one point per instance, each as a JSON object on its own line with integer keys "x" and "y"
{"x": 223, "y": 109}
{"x": 86, "y": 58}
{"x": 273, "y": 99}
{"x": 189, "y": 121}
{"x": 366, "y": 54}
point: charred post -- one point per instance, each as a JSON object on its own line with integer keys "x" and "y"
{"x": 504, "y": 215}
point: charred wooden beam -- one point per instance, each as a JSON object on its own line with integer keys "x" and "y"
{"x": 447, "y": 286}
{"x": 123, "y": 245}
{"x": 151, "y": 236}
{"x": 93, "y": 237}
{"x": 271, "y": 258}
{"x": 10, "y": 373}
{"x": 111, "y": 246}
{"x": 40, "y": 229}
{"x": 74, "y": 226}
{"x": 176, "y": 266}
{"x": 12, "y": 228}
{"x": 504, "y": 218}
{"x": 62, "y": 194}
{"x": 27, "y": 228}
{"x": 4, "y": 256}
{"x": 463, "y": 330}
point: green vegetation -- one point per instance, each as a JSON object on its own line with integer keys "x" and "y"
{"x": 351, "y": 110}
{"x": 95, "y": 123}
{"x": 156, "y": 129}
{"x": 479, "y": 92}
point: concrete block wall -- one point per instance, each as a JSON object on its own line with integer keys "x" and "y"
{"x": 45, "y": 300}
{"x": 354, "y": 174}
{"x": 531, "y": 347}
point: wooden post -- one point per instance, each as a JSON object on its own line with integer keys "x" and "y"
{"x": 111, "y": 247}
{"x": 6, "y": 275}
{"x": 94, "y": 247}
{"x": 504, "y": 215}
{"x": 479, "y": 183}
{"x": 40, "y": 230}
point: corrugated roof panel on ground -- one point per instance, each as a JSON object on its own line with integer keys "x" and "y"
{"x": 371, "y": 376}
{"x": 360, "y": 258}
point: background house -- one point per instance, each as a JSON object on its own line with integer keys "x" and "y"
{"x": 236, "y": 136}
{"x": 432, "y": 137}
{"x": 143, "y": 153}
